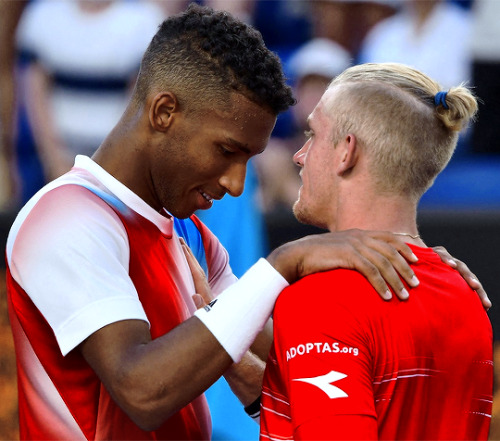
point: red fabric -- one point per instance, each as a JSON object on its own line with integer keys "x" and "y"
{"x": 417, "y": 369}
{"x": 158, "y": 282}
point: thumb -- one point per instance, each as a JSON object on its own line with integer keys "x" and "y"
{"x": 198, "y": 301}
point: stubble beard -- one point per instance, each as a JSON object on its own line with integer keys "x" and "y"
{"x": 304, "y": 216}
{"x": 299, "y": 213}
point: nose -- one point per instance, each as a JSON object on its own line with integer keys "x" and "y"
{"x": 233, "y": 179}
{"x": 300, "y": 156}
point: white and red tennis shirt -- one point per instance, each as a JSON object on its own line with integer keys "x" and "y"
{"x": 83, "y": 253}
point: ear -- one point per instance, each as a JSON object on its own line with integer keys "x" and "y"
{"x": 162, "y": 109}
{"x": 348, "y": 151}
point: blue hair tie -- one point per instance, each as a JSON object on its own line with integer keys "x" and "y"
{"x": 440, "y": 99}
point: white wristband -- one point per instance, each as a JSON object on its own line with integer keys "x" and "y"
{"x": 240, "y": 312}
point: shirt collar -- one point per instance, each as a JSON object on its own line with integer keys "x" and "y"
{"x": 164, "y": 223}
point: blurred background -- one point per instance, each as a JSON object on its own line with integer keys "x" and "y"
{"x": 66, "y": 72}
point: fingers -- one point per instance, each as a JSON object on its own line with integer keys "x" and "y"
{"x": 380, "y": 270}
{"x": 445, "y": 256}
{"x": 466, "y": 273}
{"x": 473, "y": 282}
{"x": 196, "y": 270}
{"x": 194, "y": 266}
{"x": 397, "y": 243}
{"x": 386, "y": 262}
{"x": 397, "y": 255}
{"x": 381, "y": 257}
{"x": 373, "y": 275}
{"x": 199, "y": 278}
{"x": 484, "y": 298}
{"x": 198, "y": 301}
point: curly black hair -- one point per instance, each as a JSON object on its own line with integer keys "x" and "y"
{"x": 202, "y": 55}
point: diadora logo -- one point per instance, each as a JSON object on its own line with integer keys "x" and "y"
{"x": 320, "y": 348}
{"x": 323, "y": 382}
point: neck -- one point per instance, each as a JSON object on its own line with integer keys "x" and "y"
{"x": 122, "y": 155}
{"x": 396, "y": 214}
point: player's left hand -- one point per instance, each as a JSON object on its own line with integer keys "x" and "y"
{"x": 466, "y": 273}
{"x": 203, "y": 294}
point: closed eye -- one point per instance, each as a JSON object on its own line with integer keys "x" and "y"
{"x": 225, "y": 151}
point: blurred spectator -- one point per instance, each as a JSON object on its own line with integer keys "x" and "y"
{"x": 312, "y": 67}
{"x": 10, "y": 13}
{"x": 285, "y": 24}
{"x": 485, "y": 48}
{"x": 348, "y": 21}
{"x": 83, "y": 59}
{"x": 169, "y": 7}
{"x": 430, "y": 35}
{"x": 243, "y": 9}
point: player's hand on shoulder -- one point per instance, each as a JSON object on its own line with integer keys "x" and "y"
{"x": 381, "y": 257}
{"x": 466, "y": 273}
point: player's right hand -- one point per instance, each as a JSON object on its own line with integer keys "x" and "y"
{"x": 203, "y": 294}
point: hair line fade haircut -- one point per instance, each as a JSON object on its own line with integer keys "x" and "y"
{"x": 203, "y": 55}
{"x": 390, "y": 107}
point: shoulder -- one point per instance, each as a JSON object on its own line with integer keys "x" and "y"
{"x": 339, "y": 290}
{"x": 59, "y": 217}
{"x": 335, "y": 281}
{"x": 73, "y": 202}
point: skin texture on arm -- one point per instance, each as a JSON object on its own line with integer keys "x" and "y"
{"x": 152, "y": 379}
{"x": 245, "y": 378}
{"x": 380, "y": 257}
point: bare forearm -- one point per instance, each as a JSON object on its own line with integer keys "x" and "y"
{"x": 263, "y": 342}
{"x": 245, "y": 378}
{"x": 152, "y": 379}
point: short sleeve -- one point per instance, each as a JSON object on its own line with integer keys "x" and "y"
{"x": 71, "y": 257}
{"x": 323, "y": 347}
